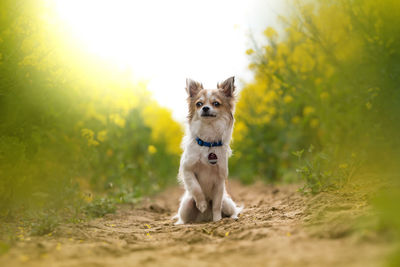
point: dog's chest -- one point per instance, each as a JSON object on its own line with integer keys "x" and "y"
{"x": 208, "y": 174}
{"x": 207, "y": 178}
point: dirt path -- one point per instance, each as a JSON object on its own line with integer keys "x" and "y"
{"x": 268, "y": 233}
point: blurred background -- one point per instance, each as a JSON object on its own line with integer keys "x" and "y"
{"x": 92, "y": 99}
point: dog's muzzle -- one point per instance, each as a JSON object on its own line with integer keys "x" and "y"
{"x": 208, "y": 114}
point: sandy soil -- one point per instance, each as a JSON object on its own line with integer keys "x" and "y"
{"x": 270, "y": 232}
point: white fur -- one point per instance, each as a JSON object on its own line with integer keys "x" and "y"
{"x": 205, "y": 198}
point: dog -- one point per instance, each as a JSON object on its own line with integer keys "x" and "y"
{"x": 204, "y": 163}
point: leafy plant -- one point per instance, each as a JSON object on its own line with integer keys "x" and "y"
{"x": 319, "y": 172}
{"x": 44, "y": 224}
{"x": 100, "y": 207}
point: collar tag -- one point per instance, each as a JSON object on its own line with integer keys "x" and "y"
{"x": 212, "y": 158}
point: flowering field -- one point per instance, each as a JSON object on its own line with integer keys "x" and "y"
{"x": 73, "y": 129}
{"x": 325, "y": 88}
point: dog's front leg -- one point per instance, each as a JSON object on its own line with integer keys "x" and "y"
{"x": 219, "y": 189}
{"x": 194, "y": 188}
{"x": 217, "y": 200}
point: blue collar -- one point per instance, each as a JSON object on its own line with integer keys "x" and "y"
{"x": 203, "y": 143}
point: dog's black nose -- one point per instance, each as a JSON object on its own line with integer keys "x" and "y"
{"x": 205, "y": 108}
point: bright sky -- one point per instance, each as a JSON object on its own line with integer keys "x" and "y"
{"x": 164, "y": 42}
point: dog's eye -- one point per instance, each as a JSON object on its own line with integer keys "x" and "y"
{"x": 216, "y": 104}
{"x": 199, "y": 104}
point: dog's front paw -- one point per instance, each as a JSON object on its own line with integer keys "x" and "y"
{"x": 202, "y": 206}
{"x": 217, "y": 217}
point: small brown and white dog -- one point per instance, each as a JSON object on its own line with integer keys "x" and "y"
{"x": 204, "y": 163}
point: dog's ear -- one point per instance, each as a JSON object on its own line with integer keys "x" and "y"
{"x": 227, "y": 86}
{"x": 193, "y": 87}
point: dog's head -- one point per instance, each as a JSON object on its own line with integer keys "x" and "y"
{"x": 211, "y": 104}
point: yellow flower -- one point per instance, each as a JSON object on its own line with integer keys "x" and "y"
{"x": 87, "y": 197}
{"x": 287, "y": 99}
{"x": 240, "y": 131}
{"x": 343, "y": 166}
{"x": 249, "y": 51}
{"x": 152, "y": 149}
{"x": 270, "y": 32}
{"x": 368, "y": 105}
{"x": 314, "y": 123}
{"x": 92, "y": 142}
{"x": 117, "y": 119}
{"x": 110, "y": 152}
{"x": 296, "y": 36}
{"x": 87, "y": 133}
{"x": 101, "y": 136}
{"x": 308, "y": 110}
{"x": 252, "y": 66}
{"x": 265, "y": 119}
{"x": 282, "y": 50}
{"x": 295, "y": 119}
{"x": 324, "y": 95}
